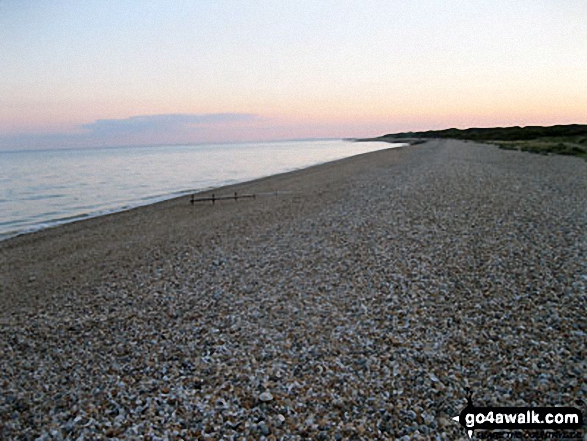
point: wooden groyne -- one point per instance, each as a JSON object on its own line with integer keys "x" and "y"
{"x": 215, "y": 198}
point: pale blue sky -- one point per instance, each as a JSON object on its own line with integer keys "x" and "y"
{"x": 292, "y": 69}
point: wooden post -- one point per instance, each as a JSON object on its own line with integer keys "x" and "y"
{"x": 213, "y": 199}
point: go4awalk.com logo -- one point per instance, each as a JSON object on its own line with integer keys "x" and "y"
{"x": 518, "y": 418}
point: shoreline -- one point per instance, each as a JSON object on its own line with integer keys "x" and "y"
{"x": 358, "y": 305}
{"x": 55, "y": 223}
{"x": 141, "y": 202}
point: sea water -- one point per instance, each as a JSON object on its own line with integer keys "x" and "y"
{"x": 43, "y": 188}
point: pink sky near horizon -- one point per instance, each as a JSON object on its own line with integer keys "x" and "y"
{"x": 333, "y": 69}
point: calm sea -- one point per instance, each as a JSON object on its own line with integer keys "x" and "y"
{"x": 43, "y": 188}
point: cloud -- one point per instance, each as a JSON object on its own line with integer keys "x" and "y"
{"x": 149, "y": 124}
{"x": 140, "y": 130}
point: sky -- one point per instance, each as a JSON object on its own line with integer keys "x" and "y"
{"x": 102, "y": 73}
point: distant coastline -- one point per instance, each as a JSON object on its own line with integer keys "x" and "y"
{"x": 568, "y": 139}
{"x": 410, "y": 141}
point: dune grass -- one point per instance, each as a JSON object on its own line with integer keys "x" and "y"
{"x": 557, "y": 140}
{"x": 562, "y": 146}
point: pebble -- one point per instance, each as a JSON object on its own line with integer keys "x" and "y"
{"x": 264, "y": 429}
{"x": 266, "y": 396}
{"x": 361, "y": 312}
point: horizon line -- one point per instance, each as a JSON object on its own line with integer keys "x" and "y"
{"x": 115, "y": 146}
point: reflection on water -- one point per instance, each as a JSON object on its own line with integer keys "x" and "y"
{"x": 42, "y": 188}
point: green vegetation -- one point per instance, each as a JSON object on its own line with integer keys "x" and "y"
{"x": 544, "y": 147}
{"x": 561, "y": 140}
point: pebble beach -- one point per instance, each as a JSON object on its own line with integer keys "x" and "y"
{"x": 356, "y": 299}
